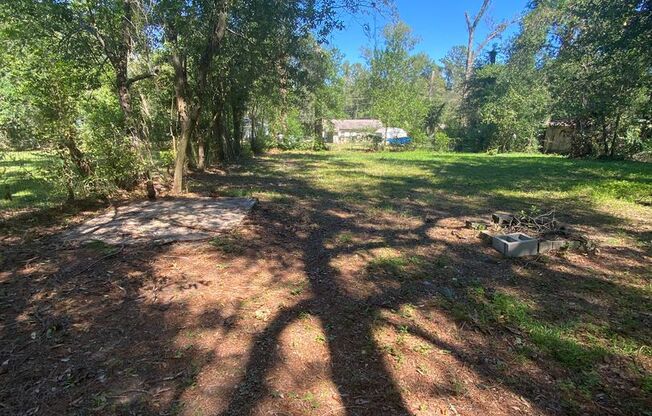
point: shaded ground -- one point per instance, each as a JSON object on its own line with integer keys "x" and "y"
{"x": 353, "y": 289}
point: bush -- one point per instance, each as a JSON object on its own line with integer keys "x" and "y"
{"x": 165, "y": 159}
{"x": 65, "y": 178}
{"x": 506, "y": 110}
{"x": 441, "y": 142}
{"x": 103, "y": 140}
{"x": 284, "y": 142}
{"x": 261, "y": 141}
{"x": 645, "y": 157}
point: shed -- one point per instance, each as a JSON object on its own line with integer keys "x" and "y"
{"x": 346, "y": 131}
{"x": 558, "y": 137}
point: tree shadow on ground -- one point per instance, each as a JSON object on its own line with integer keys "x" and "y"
{"x": 353, "y": 365}
{"x": 116, "y": 338}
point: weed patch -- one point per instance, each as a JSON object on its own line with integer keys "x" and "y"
{"x": 228, "y": 244}
{"x": 398, "y": 267}
{"x": 558, "y": 342}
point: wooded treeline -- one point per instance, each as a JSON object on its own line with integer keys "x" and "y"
{"x": 583, "y": 64}
{"x": 101, "y": 82}
{"x": 117, "y": 87}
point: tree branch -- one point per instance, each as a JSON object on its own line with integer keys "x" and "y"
{"x": 142, "y": 76}
{"x": 494, "y": 34}
{"x": 481, "y": 12}
{"x": 228, "y": 29}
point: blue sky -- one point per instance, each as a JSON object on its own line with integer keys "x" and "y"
{"x": 439, "y": 24}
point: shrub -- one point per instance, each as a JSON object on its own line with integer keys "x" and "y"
{"x": 441, "y": 142}
{"x": 105, "y": 143}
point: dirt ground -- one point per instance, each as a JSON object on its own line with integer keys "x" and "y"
{"x": 316, "y": 307}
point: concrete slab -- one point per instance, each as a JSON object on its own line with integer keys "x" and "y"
{"x": 163, "y": 221}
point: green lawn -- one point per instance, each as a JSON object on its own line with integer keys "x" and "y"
{"x": 610, "y": 196}
{"x": 602, "y": 192}
{"x": 477, "y": 176}
{"x": 23, "y": 175}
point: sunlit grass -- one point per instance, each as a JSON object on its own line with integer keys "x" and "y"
{"x": 22, "y": 176}
{"x": 386, "y": 180}
{"x": 477, "y": 182}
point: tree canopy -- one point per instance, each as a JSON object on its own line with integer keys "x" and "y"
{"x": 114, "y": 87}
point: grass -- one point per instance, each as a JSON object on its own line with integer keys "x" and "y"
{"x": 100, "y": 247}
{"x": 388, "y": 181}
{"x": 401, "y": 267}
{"x": 227, "y": 244}
{"x": 515, "y": 180}
{"x": 564, "y": 343}
{"x": 22, "y": 174}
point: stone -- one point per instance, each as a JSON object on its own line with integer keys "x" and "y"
{"x": 516, "y": 245}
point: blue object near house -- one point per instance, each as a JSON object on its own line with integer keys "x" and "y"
{"x": 399, "y": 141}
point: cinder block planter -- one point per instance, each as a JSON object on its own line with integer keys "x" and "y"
{"x": 516, "y": 245}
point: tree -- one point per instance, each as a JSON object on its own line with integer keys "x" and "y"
{"x": 357, "y": 100}
{"x": 599, "y": 68}
{"x": 49, "y": 80}
{"x": 200, "y": 33}
{"x": 473, "y": 51}
{"x": 115, "y": 25}
{"x": 507, "y": 108}
{"x": 454, "y": 67}
{"x": 399, "y": 81}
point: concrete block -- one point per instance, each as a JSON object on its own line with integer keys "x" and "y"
{"x": 516, "y": 245}
{"x": 502, "y": 218}
{"x": 548, "y": 245}
{"x": 486, "y": 237}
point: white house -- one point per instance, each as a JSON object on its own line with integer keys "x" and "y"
{"x": 346, "y": 131}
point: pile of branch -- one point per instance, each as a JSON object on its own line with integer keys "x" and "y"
{"x": 541, "y": 224}
{"x": 546, "y": 228}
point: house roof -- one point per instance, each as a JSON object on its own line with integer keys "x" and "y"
{"x": 357, "y": 125}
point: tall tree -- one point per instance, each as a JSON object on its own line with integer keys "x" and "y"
{"x": 115, "y": 25}
{"x": 473, "y": 50}
{"x": 273, "y": 33}
{"x": 599, "y": 63}
{"x": 193, "y": 31}
{"x": 399, "y": 80}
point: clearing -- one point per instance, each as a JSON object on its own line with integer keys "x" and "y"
{"x": 353, "y": 288}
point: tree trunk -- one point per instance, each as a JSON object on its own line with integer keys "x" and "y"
{"x": 181, "y": 158}
{"x": 217, "y": 133}
{"x": 201, "y": 153}
{"x": 252, "y": 138}
{"x": 470, "y": 57}
{"x": 77, "y": 157}
{"x": 186, "y": 121}
{"x": 605, "y": 140}
{"x": 237, "y": 131}
{"x": 614, "y": 138}
{"x": 190, "y": 112}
